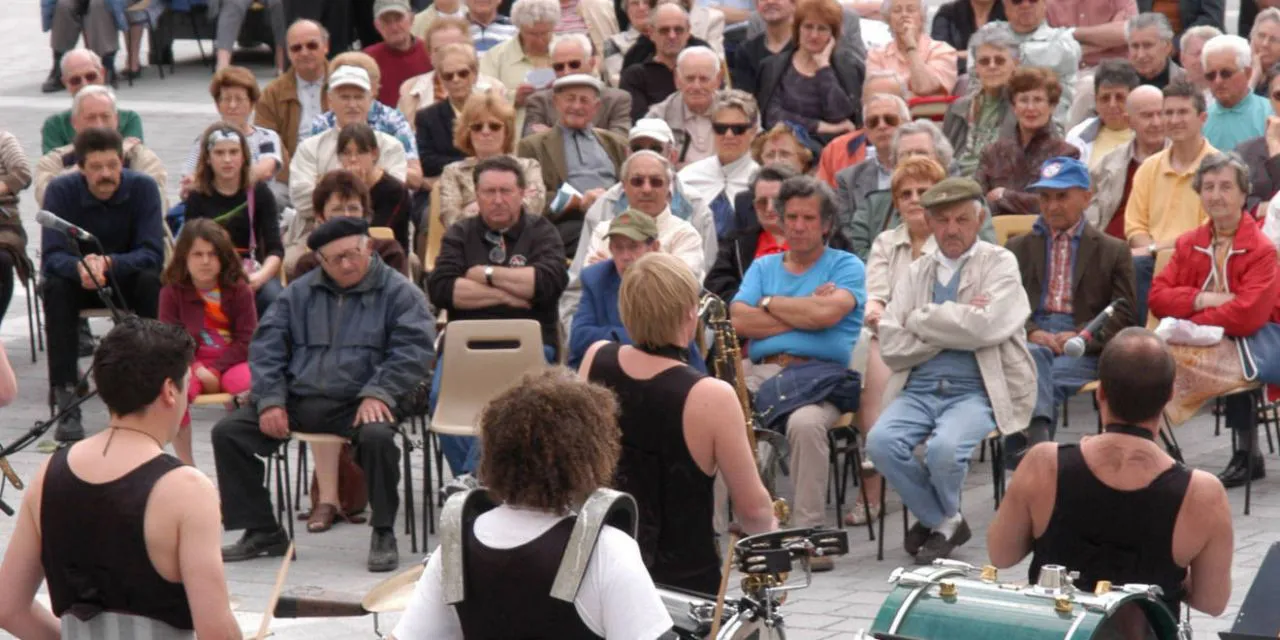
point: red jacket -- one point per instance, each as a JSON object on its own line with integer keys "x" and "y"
{"x": 181, "y": 304}
{"x": 1251, "y": 276}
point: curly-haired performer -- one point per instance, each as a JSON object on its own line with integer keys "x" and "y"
{"x": 549, "y": 443}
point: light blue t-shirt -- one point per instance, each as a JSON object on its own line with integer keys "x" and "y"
{"x": 767, "y": 277}
{"x": 1228, "y": 127}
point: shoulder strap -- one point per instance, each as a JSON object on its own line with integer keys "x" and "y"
{"x": 461, "y": 509}
{"x": 253, "y": 253}
{"x": 604, "y": 507}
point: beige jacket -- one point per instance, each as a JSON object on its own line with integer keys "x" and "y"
{"x": 914, "y": 330}
{"x": 458, "y": 189}
{"x": 1108, "y": 185}
{"x": 317, "y": 156}
{"x": 707, "y": 23}
{"x": 888, "y": 261}
{"x": 136, "y": 157}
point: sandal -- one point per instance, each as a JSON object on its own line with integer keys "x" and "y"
{"x": 322, "y": 517}
{"x": 857, "y": 516}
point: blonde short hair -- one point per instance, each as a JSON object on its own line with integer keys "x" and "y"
{"x": 362, "y": 60}
{"x": 478, "y": 106}
{"x": 658, "y": 293}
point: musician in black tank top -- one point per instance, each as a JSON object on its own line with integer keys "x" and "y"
{"x": 679, "y": 428}
{"x": 114, "y": 510}
{"x": 1117, "y": 507}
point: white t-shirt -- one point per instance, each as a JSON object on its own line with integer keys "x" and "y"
{"x": 617, "y": 599}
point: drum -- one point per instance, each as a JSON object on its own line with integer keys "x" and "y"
{"x": 950, "y": 601}
{"x": 692, "y": 614}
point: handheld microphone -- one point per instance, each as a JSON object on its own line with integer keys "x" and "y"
{"x": 1075, "y": 346}
{"x": 50, "y": 220}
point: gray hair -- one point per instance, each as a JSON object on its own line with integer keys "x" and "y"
{"x": 884, "y": 73}
{"x": 526, "y": 13}
{"x": 736, "y": 99}
{"x": 588, "y": 48}
{"x": 996, "y": 34}
{"x": 653, "y": 13}
{"x": 690, "y": 52}
{"x": 92, "y": 91}
{"x": 1202, "y": 32}
{"x": 808, "y": 187}
{"x": 84, "y": 53}
{"x": 667, "y": 168}
{"x": 1219, "y": 161}
{"x": 886, "y": 9}
{"x": 1148, "y": 20}
{"x": 1270, "y": 14}
{"x": 1232, "y": 44}
{"x": 772, "y": 172}
{"x": 941, "y": 145}
{"x": 324, "y": 33}
{"x": 904, "y": 112}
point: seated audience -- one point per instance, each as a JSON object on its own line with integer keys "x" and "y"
{"x": 1262, "y": 154}
{"x": 224, "y": 191}
{"x": 515, "y": 62}
{"x": 400, "y": 55}
{"x": 688, "y": 110}
{"x": 1090, "y": 505}
{"x": 619, "y": 44}
{"x": 1150, "y": 41}
{"x": 956, "y": 22}
{"x": 420, "y": 92}
{"x": 235, "y": 94}
{"x": 928, "y": 65}
{"x": 783, "y": 144}
{"x": 1013, "y": 161}
{"x": 1098, "y": 26}
{"x": 814, "y": 84}
{"x": 1099, "y": 135}
{"x": 777, "y": 17}
{"x": 123, "y": 210}
{"x": 206, "y": 291}
{"x": 65, "y": 21}
{"x": 390, "y": 201}
{"x": 652, "y": 78}
{"x": 719, "y": 178}
{"x": 885, "y": 113}
{"x": 1264, "y": 41}
{"x": 571, "y": 54}
{"x": 434, "y": 125}
{"x": 343, "y": 194}
{"x": 1223, "y": 274}
{"x": 78, "y": 69}
{"x": 1043, "y": 45}
{"x": 851, "y": 37}
{"x": 440, "y": 9}
{"x": 752, "y": 237}
{"x": 852, "y": 148}
{"x": 489, "y": 28}
{"x": 1112, "y": 176}
{"x": 960, "y": 367}
{"x": 706, "y": 23}
{"x": 504, "y": 263}
{"x": 976, "y": 120}
{"x": 231, "y": 15}
{"x": 1071, "y": 271}
{"x": 327, "y": 381}
{"x": 486, "y": 128}
{"x": 1190, "y": 47}
{"x": 1236, "y": 113}
{"x": 15, "y": 177}
{"x": 295, "y": 98}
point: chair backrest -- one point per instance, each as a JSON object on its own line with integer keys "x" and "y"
{"x": 1162, "y": 259}
{"x": 382, "y": 233}
{"x": 1012, "y": 226}
{"x": 482, "y": 358}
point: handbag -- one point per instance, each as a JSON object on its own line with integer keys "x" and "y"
{"x": 803, "y": 384}
{"x": 1260, "y": 354}
{"x": 353, "y": 493}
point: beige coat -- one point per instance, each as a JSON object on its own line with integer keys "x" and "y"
{"x": 888, "y": 261}
{"x": 914, "y": 330}
{"x": 136, "y": 157}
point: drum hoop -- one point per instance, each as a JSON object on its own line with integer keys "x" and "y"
{"x": 911, "y": 598}
{"x": 1075, "y": 625}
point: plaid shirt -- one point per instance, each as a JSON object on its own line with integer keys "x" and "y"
{"x": 1061, "y": 252}
{"x": 381, "y": 118}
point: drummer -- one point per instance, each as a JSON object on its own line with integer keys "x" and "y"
{"x": 1116, "y": 507}
{"x": 549, "y": 441}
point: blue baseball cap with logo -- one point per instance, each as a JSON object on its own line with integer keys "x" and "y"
{"x": 1062, "y": 173}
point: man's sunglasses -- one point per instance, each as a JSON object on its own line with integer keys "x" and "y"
{"x": 309, "y": 46}
{"x": 722, "y": 128}
{"x": 657, "y": 182}
{"x": 91, "y": 77}
{"x": 640, "y": 146}
{"x": 1225, "y": 74}
{"x": 888, "y": 121}
{"x": 572, "y": 65}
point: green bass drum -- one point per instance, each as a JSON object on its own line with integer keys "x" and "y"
{"x": 956, "y": 601}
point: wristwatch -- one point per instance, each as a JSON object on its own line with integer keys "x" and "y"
{"x": 764, "y": 303}
{"x": 488, "y": 275}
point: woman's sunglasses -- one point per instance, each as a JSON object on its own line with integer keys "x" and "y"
{"x": 722, "y": 128}
{"x": 461, "y": 74}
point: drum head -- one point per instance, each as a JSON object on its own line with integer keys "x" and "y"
{"x": 393, "y": 593}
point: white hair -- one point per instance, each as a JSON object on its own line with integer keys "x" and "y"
{"x": 89, "y": 92}
{"x": 1148, "y": 20}
{"x": 690, "y": 52}
{"x": 886, "y": 9}
{"x": 1270, "y": 14}
{"x": 880, "y": 75}
{"x": 84, "y": 53}
{"x": 904, "y": 112}
{"x": 526, "y": 13}
{"x": 1231, "y": 44}
{"x": 1203, "y": 32}
{"x": 580, "y": 38}
{"x": 668, "y": 169}
{"x": 941, "y": 146}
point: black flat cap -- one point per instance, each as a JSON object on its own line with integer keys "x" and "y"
{"x": 335, "y": 229}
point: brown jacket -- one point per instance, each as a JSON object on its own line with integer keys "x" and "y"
{"x": 1102, "y": 272}
{"x": 548, "y": 149}
{"x": 279, "y": 110}
{"x": 1010, "y": 165}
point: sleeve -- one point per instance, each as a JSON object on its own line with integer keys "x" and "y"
{"x": 267, "y": 220}
{"x": 715, "y": 31}
{"x": 743, "y": 70}
{"x": 878, "y": 277}
{"x": 958, "y": 325}
{"x": 942, "y": 62}
{"x": 1211, "y": 13}
{"x": 451, "y": 203}
{"x": 170, "y": 309}
{"x": 860, "y": 234}
{"x": 147, "y": 162}
{"x": 193, "y": 158}
{"x": 837, "y": 104}
{"x": 15, "y": 170}
{"x": 630, "y": 606}
{"x": 51, "y": 134}
{"x": 535, "y": 112}
{"x": 851, "y": 275}
{"x": 1137, "y": 214}
{"x": 400, "y": 130}
{"x": 775, "y": 112}
{"x": 56, "y": 255}
{"x": 436, "y": 151}
{"x": 551, "y": 274}
{"x": 1122, "y": 287}
{"x": 392, "y": 158}
{"x": 243, "y": 323}
{"x": 1255, "y": 296}
{"x": 723, "y": 278}
{"x": 489, "y": 65}
{"x": 272, "y": 147}
{"x": 450, "y": 265}
{"x": 1268, "y": 180}
{"x": 146, "y": 247}
{"x": 633, "y": 83}
{"x": 587, "y": 328}
{"x": 943, "y": 30}
{"x": 130, "y": 124}
{"x": 900, "y": 348}
{"x": 302, "y": 179}
{"x": 409, "y": 351}
{"x": 535, "y": 197}
{"x": 427, "y": 616}
{"x": 48, "y": 167}
{"x": 620, "y": 115}
{"x": 752, "y": 287}
{"x": 270, "y": 352}
{"x": 265, "y": 114}
{"x": 686, "y": 244}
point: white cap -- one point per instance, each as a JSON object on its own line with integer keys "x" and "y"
{"x": 578, "y": 80}
{"x": 349, "y": 76}
{"x": 653, "y": 129}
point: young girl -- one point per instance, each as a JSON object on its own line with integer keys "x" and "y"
{"x": 207, "y": 292}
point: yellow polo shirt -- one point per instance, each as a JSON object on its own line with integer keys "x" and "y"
{"x": 1161, "y": 201}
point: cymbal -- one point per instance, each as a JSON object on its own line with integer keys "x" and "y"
{"x": 393, "y": 593}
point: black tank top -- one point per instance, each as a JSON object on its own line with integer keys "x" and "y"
{"x": 508, "y": 591}
{"x": 1125, "y": 537}
{"x": 675, "y": 498}
{"x": 94, "y": 548}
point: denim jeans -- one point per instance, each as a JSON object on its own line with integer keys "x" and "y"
{"x": 1058, "y": 377}
{"x": 1144, "y": 268}
{"x": 463, "y": 452}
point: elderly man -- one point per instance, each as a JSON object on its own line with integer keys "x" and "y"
{"x": 799, "y": 308}
{"x": 101, "y": 22}
{"x": 571, "y": 54}
{"x": 316, "y": 375}
{"x": 516, "y": 61}
{"x": 400, "y": 55}
{"x": 1043, "y": 45}
{"x": 582, "y": 159}
{"x": 651, "y": 81}
{"x": 852, "y": 148}
{"x": 295, "y": 98}
{"x": 1097, "y": 136}
{"x": 883, "y": 114}
{"x": 1112, "y": 176}
{"x": 79, "y": 69}
{"x": 124, "y": 211}
{"x": 954, "y": 337}
{"x": 1071, "y": 271}
{"x": 351, "y": 95}
{"x": 489, "y": 28}
{"x": 504, "y": 263}
{"x": 1236, "y": 113}
{"x": 1150, "y": 40}
{"x": 95, "y": 107}
{"x": 1098, "y": 25}
{"x": 688, "y": 110}
{"x": 1190, "y": 46}
{"x": 1088, "y": 506}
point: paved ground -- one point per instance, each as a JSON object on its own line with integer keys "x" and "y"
{"x": 176, "y": 109}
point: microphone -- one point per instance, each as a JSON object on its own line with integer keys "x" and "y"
{"x": 1075, "y": 346}
{"x": 50, "y": 220}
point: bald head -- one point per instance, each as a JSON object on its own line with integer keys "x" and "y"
{"x": 1136, "y": 374}
{"x": 883, "y": 82}
{"x": 1145, "y": 107}
{"x": 81, "y": 68}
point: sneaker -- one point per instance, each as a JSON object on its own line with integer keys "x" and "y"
{"x": 53, "y": 83}
{"x": 254, "y": 544}
{"x": 938, "y": 546}
{"x": 70, "y": 428}
{"x": 915, "y": 538}
{"x": 858, "y": 514}
{"x": 383, "y": 555}
{"x": 464, "y": 482}
{"x": 1237, "y": 475}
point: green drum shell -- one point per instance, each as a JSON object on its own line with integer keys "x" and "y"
{"x": 982, "y": 611}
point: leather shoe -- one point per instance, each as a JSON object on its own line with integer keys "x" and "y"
{"x": 254, "y": 544}
{"x": 383, "y": 555}
{"x": 916, "y": 537}
{"x": 1237, "y": 475}
{"x": 938, "y": 546}
{"x": 70, "y": 428}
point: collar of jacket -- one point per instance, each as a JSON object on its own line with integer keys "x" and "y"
{"x": 374, "y": 278}
{"x": 1248, "y": 236}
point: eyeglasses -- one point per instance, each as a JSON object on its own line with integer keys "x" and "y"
{"x": 672, "y": 31}
{"x": 572, "y": 65}
{"x": 312, "y": 45}
{"x": 498, "y": 254}
{"x": 1225, "y": 74}
{"x": 992, "y": 61}
{"x": 874, "y": 122}
{"x": 908, "y": 193}
{"x": 656, "y": 182}
{"x": 461, "y": 74}
{"x": 350, "y": 255}
{"x": 640, "y": 146}
{"x": 494, "y": 127}
{"x": 91, "y": 77}
{"x": 1018, "y": 2}
{"x": 722, "y": 128}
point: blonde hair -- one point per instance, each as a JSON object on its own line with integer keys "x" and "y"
{"x": 479, "y": 105}
{"x": 364, "y": 61}
{"x": 658, "y": 293}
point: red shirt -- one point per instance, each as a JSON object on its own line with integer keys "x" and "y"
{"x": 766, "y": 245}
{"x": 1115, "y": 228}
{"x": 397, "y": 66}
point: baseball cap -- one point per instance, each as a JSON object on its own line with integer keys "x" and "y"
{"x": 950, "y": 191}
{"x": 635, "y": 225}
{"x": 1062, "y": 173}
{"x": 349, "y": 76}
{"x": 382, "y": 6}
{"x": 653, "y": 129}
{"x": 577, "y": 80}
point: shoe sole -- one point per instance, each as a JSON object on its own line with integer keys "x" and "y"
{"x": 383, "y": 568}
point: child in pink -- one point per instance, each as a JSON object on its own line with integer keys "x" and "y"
{"x": 207, "y": 292}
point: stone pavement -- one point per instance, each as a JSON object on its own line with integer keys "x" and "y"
{"x": 175, "y": 110}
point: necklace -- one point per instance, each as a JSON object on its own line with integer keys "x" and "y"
{"x": 115, "y": 427}
{"x": 1130, "y": 430}
{"x": 665, "y": 351}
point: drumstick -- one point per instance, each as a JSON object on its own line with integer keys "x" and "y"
{"x": 724, "y": 584}
{"x": 275, "y": 593}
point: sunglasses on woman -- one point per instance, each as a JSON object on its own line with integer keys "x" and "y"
{"x": 722, "y": 128}
{"x": 493, "y": 127}
{"x": 461, "y": 74}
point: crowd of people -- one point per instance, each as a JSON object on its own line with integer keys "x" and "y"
{"x": 596, "y": 169}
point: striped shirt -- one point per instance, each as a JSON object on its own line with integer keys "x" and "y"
{"x": 488, "y": 36}
{"x": 570, "y": 20}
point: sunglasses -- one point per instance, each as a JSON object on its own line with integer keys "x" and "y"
{"x": 498, "y": 254}
{"x": 448, "y": 76}
{"x": 907, "y": 193}
{"x": 671, "y": 31}
{"x": 657, "y": 182}
{"x": 1225, "y": 74}
{"x": 640, "y": 146}
{"x": 992, "y": 61}
{"x": 493, "y": 127}
{"x": 1018, "y": 2}
{"x": 722, "y": 128}
{"x": 888, "y": 121}
{"x": 309, "y": 46}
{"x": 91, "y": 77}
{"x": 572, "y": 65}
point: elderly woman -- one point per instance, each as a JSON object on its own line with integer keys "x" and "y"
{"x": 1222, "y": 274}
{"x": 975, "y": 121}
{"x": 813, "y": 84}
{"x": 957, "y": 21}
{"x": 514, "y": 62}
{"x": 1190, "y": 46}
{"x": 420, "y": 92}
{"x": 893, "y": 251}
{"x": 719, "y": 179}
{"x": 390, "y": 201}
{"x": 1262, "y": 153}
{"x": 457, "y": 70}
{"x": 928, "y": 65}
{"x": 486, "y": 128}
{"x": 235, "y": 94}
{"x": 1264, "y": 40}
{"x": 1012, "y": 162}
{"x": 784, "y": 144}
{"x": 15, "y": 176}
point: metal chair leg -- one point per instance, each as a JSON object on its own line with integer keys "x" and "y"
{"x": 410, "y": 518}
{"x": 31, "y": 326}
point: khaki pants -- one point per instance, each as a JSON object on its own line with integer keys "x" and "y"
{"x": 99, "y": 27}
